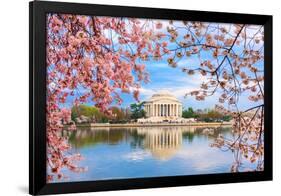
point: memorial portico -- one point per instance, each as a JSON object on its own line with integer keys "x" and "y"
{"x": 163, "y": 105}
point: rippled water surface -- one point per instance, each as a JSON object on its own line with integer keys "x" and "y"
{"x": 116, "y": 153}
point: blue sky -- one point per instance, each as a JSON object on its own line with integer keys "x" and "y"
{"x": 178, "y": 83}
{"x": 164, "y": 77}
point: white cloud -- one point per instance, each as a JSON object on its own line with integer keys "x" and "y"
{"x": 146, "y": 92}
{"x": 136, "y": 156}
{"x": 202, "y": 151}
{"x": 179, "y": 85}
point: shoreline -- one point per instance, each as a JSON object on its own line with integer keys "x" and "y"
{"x": 153, "y": 124}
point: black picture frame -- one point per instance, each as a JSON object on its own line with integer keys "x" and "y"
{"x": 37, "y": 97}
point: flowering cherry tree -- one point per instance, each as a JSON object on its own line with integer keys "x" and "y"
{"x": 229, "y": 59}
{"x": 92, "y": 59}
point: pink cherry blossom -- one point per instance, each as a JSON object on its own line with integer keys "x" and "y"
{"x": 86, "y": 63}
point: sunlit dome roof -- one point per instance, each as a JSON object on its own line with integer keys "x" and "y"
{"x": 163, "y": 94}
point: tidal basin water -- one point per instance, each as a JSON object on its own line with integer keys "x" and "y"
{"x": 117, "y": 153}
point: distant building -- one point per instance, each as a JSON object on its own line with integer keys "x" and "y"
{"x": 163, "y": 105}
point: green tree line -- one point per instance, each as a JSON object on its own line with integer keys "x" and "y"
{"x": 135, "y": 111}
{"x": 119, "y": 115}
{"x": 207, "y": 115}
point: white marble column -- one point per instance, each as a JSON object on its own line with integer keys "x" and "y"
{"x": 156, "y": 109}
{"x": 180, "y": 110}
{"x": 157, "y": 114}
{"x": 170, "y": 105}
{"x": 170, "y": 109}
{"x": 177, "y": 110}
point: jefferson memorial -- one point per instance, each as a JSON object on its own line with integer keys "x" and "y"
{"x": 162, "y": 106}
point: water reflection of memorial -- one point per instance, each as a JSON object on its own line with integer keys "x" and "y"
{"x": 162, "y": 142}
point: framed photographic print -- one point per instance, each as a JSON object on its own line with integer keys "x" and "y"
{"x": 129, "y": 98}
